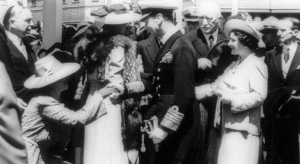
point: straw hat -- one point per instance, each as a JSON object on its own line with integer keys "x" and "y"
{"x": 236, "y": 24}
{"x": 116, "y": 14}
{"x": 158, "y": 4}
{"x": 48, "y": 71}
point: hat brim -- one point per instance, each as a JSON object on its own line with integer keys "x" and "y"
{"x": 129, "y": 16}
{"x": 81, "y": 31}
{"x": 236, "y": 24}
{"x": 157, "y": 5}
{"x": 191, "y": 20}
{"x": 39, "y": 82}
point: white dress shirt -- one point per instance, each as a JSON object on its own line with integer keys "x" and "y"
{"x": 17, "y": 41}
{"x": 286, "y": 66}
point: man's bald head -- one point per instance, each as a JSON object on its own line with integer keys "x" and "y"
{"x": 209, "y": 16}
{"x": 210, "y": 7}
{"x": 18, "y": 20}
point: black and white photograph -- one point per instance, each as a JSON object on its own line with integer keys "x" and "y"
{"x": 149, "y": 82}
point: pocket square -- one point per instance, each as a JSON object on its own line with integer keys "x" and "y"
{"x": 298, "y": 67}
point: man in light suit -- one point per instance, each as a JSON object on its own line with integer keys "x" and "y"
{"x": 12, "y": 147}
{"x": 17, "y": 22}
{"x": 284, "y": 81}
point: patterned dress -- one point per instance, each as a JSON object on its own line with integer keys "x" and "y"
{"x": 46, "y": 121}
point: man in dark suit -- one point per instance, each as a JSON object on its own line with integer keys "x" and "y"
{"x": 17, "y": 22}
{"x": 12, "y": 147}
{"x": 283, "y": 69}
{"x": 203, "y": 39}
{"x": 177, "y": 135}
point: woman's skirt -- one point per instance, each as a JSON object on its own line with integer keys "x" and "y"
{"x": 238, "y": 147}
{"x": 103, "y": 139}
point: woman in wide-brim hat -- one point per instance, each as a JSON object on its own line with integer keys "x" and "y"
{"x": 241, "y": 91}
{"x": 46, "y": 122}
{"x": 112, "y": 61}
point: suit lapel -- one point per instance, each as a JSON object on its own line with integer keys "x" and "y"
{"x": 18, "y": 54}
{"x": 278, "y": 63}
{"x": 201, "y": 44}
{"x": 166, "y": 47}
{"x": 152, "y": 48}
{"x": 295, "y": 63}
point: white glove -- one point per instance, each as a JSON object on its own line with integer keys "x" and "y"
{"x": 204, "y": 63}
{"x": 157, "y": 135}
{"x": 203, "y": 91}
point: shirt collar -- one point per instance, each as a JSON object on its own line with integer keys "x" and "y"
{"x": 292, "y": 47}
{"x": 169, "y": 34}
{"x": 215, "y": 35}
{"x": 14, "y": 38}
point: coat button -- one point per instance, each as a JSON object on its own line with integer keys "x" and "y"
{"x": 157, "y": 78}
{"x": 158, "y": 70}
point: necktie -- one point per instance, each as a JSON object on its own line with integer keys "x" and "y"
{"x": 286, "y": 54}
{"x": 211, "y": 41}
{"x": 159, "y": 43}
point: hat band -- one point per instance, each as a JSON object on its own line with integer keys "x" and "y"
{"x": 43, "y": 72}
{"x": 270, "y": 26}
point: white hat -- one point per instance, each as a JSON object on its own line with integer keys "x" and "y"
{"x": 158, "y": 4}
{"x": 191, "y": 13}
{"x": 236, "y": 24}
{"x": 48, "y": 71}
{"x": 116, "y": 14}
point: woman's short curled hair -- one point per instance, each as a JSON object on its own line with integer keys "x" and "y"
{"x": 246, "y": 39}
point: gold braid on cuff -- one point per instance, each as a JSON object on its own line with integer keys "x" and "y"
{"x": 172, "y": 118}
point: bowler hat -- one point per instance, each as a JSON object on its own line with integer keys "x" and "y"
{"x": 48, "y": 71}
{"x": 236, "y": 24}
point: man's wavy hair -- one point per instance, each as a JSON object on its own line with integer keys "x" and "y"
{"x": 246, "y": 39}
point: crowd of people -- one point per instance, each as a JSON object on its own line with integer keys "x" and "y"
{"x": 133, "y": 88}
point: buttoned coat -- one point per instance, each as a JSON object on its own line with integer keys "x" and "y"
{"x": 174, "y": 85}
{"x": 22, "y": 69}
